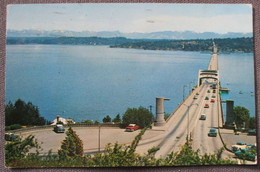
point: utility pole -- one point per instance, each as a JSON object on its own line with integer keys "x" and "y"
{"x": 188, "y": 123}
{"x": 150, "y": 108}
{"x": 99, "y": 126}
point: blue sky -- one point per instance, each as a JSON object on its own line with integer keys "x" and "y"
{"x": 128, "y": 18}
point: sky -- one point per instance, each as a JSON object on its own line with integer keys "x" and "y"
{"x": 129, "y": 17}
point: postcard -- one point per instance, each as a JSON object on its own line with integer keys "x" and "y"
{"x": 129, "y": 85}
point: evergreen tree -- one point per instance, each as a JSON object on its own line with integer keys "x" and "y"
{"x": 107, "y": 119}
{"x": 71, "y": 147}
{"x": 117, "y": 119}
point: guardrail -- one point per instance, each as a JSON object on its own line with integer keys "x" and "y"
{"x": 221, "y": 110}
{"x": 192, "y": 93}
{"x": 67, "y": 125}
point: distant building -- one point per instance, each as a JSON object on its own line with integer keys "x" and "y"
{"x": 63, "y": 120}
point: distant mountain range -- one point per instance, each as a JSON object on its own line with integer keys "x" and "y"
{"x": 135, "y": 35}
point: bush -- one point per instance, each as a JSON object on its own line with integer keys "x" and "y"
{"x": 13, "y": 127}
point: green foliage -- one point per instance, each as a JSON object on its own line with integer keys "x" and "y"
{"x": 18, "y": 149}
{"x": 88, "y": 122}
{"x": 107, "y": 119}
{"x": 71, "y": 147}
{"x": 252, "y": 123}
{"x": 141, "y": 116}
{"x": 224, "y": 45}
{"x": 22, "y": 113}
{"x": 117, "y": 119}
{"x": 241, "y": 116}
{"x": 13, "y": 127}
{"x": 96, "y": 122}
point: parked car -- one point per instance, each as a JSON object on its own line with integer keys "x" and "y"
{"x": 132, "y": 127}
{"x": 245, "y": 154}
{"x": 195, "y": 97}
{"x": 252, "y": 132}
{"x": 212, "y": 132}
{"x": 59, "y": 128}
{"x": 212, "y": 100}
{"x": 213, "y": 96}
{"x": 208, "y": 91}
{"x": 206, "y": 105}
{"x": 239, "y": 145}
{"x": 11, "y": 137}
{"x": 203, "y": 117}
{"x": 214, "y": 91}
{"x": 206, "y": 98}
{"x": 197, "y": 93}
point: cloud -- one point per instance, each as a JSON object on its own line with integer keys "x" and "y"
{"x": 220, "y": 24}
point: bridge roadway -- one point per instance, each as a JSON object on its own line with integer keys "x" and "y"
{"x": 186, "y": 120}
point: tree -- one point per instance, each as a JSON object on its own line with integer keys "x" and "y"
{"x": 252, "y": 123}
{"x": 88, "y": 122}
{"x": 241, "y": 116}
{"x": 117, "y": 119}
{"x": 23, "y": 113}
{"x": 141, "y": 116}
{"x": 107, "y": 119}
{"x": 71, "y": 147}
{"x": 18, "y": 149}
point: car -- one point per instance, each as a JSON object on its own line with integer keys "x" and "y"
{"x": 132, "y": 127}
{"x": 206, "y": 105}
{"x": 213, "y": 96}
{"x": 59, "y": 128}
{"x": 208, "y": 91}
{"x": 212, "y": 132}
{"x": 206, "y": 98}
{"x": 212, "y": 100}
{"x": 214, "y": 91}
{"x": 197, "y": 93}
{"x": 195, "y": 97}
{"x": 238, "y": 146}
{"x": 252, "y": 132}
{"x": 237, "y": 132}
{"x": 245, "y": 154}
{"x": 11, "y": 137}
{"x": 202, "y": 117}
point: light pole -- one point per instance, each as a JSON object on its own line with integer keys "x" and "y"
{"x": 188, "y": 128}
{"x": 190, "y": 86}
{"x": 183, "y": 91}
{"x": 99, "y": 125}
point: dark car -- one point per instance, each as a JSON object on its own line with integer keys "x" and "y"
{"x": 212, "y": 132}
{"x": 11, "y": 137}
{"x": 203, "y": 117}
{"x": 206, "y": 98}
{"x": 59, "y": 128}
{"x": 252, "y": 132}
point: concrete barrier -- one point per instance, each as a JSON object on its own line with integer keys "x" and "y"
{"x": 66, "y": 126}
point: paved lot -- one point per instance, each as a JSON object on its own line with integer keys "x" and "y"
{"x": 89, "y": 135}
{"x": 231, "y": 139}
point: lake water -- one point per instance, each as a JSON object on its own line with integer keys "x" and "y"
{"x": 90, "y": 82}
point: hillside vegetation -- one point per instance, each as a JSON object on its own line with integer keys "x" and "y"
{"x": 224, "y": 45}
